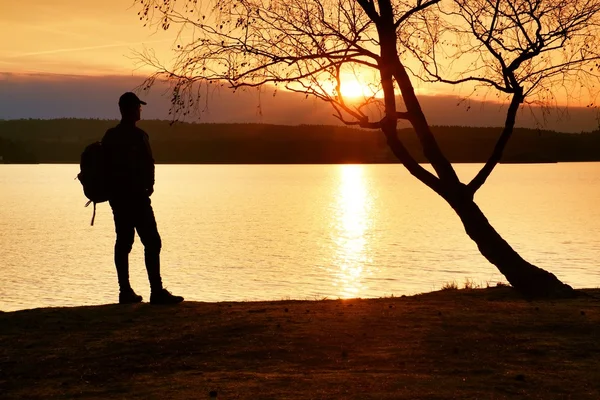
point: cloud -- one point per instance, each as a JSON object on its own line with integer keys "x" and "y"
{"x": 70, "y": 96}
{"x": 86, "y": 48}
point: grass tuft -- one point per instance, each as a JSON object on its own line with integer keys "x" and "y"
{"x": 450, "y": 286}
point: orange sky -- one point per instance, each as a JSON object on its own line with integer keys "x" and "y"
{"x": 74, "y": 36}
{"x": 93, "y": 37}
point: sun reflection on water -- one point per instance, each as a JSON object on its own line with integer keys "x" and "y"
{"x": 351, "y": 225}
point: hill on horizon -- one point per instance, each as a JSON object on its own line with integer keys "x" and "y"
{"x": 76, "y": 96}
{"x": 62, "y": 141}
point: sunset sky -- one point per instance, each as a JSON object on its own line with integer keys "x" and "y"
{"x": 54, "y": 53}
{"x": 74, "y": 37}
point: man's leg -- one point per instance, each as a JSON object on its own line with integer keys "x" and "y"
{"x": 145, "y": 224}
{"x": 125, "y": 229}
{"x": 146, "y": 228}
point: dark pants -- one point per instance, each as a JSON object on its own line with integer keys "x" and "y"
{"x": 131, "y": 214}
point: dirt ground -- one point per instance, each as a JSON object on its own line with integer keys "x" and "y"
{"x": 451, "y": 344}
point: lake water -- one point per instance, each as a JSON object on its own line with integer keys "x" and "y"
{"x": 272, "y": 232}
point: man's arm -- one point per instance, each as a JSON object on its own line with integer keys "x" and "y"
{"x": 149, "y": 168}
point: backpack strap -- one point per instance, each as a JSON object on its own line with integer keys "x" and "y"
{"x": 94, "y": 214}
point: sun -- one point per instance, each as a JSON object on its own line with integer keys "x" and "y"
{"x": 352, "y": 89}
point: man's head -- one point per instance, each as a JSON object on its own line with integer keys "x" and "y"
{"x": 130, "y": 106}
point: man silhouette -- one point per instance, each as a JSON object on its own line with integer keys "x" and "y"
{"x": 131, "y": 182}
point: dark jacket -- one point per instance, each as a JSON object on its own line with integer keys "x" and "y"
{"x": 129, "y": 160}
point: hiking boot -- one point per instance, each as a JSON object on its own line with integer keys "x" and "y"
{"x": 164, "y": 297}
{"x": 129, "y": 297}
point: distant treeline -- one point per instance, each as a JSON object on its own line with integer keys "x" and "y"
{"x": 62, "y": 141}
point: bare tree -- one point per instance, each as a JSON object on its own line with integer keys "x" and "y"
{"x": 308, "y": 45}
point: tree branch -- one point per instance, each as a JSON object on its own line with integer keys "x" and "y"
{"x": 415, "y": 169}
{"x": 414, "y": 10}
{"x": 369, "y": 8}
{"x": 403, "y": 115}
{"x": 363, "y": 123}
{"x": 496, "y": 155}
{"x": 430, "y": 147}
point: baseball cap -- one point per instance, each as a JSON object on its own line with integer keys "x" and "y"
{"x": 130, "y": 99}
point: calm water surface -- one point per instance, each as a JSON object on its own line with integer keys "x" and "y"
{"x": 271, "y": 232}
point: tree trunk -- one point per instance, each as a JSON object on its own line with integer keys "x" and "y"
{"x": 525, "y": 277}
{"x": 528, "y": 279}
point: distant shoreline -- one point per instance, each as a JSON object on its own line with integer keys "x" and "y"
{"x": 63, "y": 140}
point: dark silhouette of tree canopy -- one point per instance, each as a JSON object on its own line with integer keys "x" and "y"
{"x": 522, "y": 49}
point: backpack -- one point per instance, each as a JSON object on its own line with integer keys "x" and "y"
{"x": 94, "y": 175}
